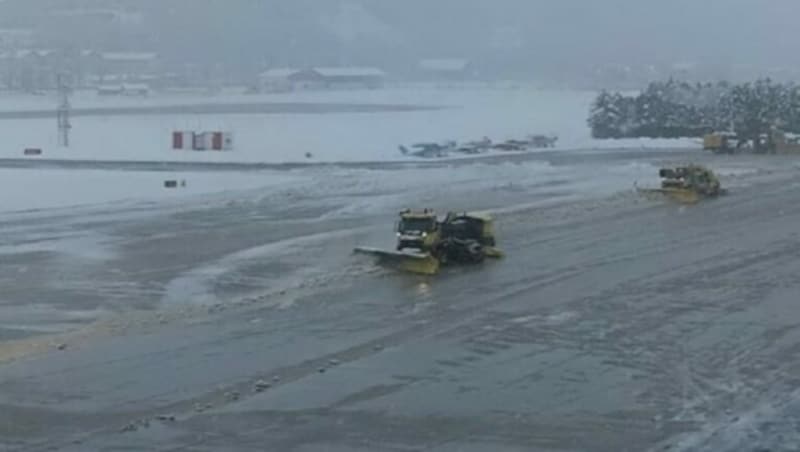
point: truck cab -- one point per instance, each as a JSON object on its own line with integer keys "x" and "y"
{"x": 417, "y": 230}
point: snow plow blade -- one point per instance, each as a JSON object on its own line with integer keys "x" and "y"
{"x": 683, "y": 196}
{"x": 423, "y": 264}
{"x": 493, "y": 252}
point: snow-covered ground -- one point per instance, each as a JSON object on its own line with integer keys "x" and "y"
{"x": 37, "y": 189}
{"x": 29, "y": 190}
{"x": 359, "y": 191}
{"x": 278, "y": 138}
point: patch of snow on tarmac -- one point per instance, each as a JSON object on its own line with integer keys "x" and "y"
{"x": 45, "y": 318}
{"x": 80, "y": 245}
{"x": 359, "y": 191}
{"x": 382, "y": 191}
{"x": 28, "y": 190}
{"x": 767, "y": 427}
{"x": 195, "y": 286}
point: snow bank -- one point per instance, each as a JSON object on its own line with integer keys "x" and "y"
{"x": 278, "y": 138}
{"x": 387, "y": 189}
{"x": 27, "y": 190}
{"x": 768, "y": 426}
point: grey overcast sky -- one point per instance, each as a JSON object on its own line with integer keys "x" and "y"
{"x": 547, "y": 31}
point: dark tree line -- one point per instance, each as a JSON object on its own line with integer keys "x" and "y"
{"x": 678, "y": 109}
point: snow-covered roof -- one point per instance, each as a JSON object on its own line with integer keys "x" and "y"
{"x": 115, "y": 14}
{"x": 129, "y": 56}
{"x": 135, "y": 86}
{"x": 16, "y": 31}
{"x": 349, "y": 72}
{"x": 108, "y": 78}
{"x": 24, "y": 53}
{"x": 279, "y": 72}
{"x": 444, "y": 64}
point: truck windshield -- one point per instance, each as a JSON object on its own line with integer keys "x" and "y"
{"x": 416, "y": 225}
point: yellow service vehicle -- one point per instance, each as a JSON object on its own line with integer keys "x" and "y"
{"x": 417, "y": 230}
{"x": 720, "y": 142}
{"x": 784, "y": 143}
{"x": 460, "y": 238}
{"x": 687, "y": 184}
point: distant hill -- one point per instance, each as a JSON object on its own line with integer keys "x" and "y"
{"x": 539, "y": 37}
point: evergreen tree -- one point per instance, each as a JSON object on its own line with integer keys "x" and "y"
{"x": 605, "y": 117}
{"x": 675, "y": 109}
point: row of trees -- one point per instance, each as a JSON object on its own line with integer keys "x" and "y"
{"x": 677, "y": 109}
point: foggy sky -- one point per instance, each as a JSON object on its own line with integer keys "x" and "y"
{"x": 530, "y": 32}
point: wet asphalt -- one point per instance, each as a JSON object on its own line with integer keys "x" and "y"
{"x": 614, "y": 324}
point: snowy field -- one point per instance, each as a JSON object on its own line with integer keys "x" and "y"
{"x": 360, "y": 191}
{"x": 285, "y": 138}
{"x": 38, "y": 189}
{"x": 332, "y": 137}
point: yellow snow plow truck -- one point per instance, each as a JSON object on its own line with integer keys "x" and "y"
{"x": 686, "y": 184}
{"x": 721, "y": 142}
{"x": 425, "y": 244}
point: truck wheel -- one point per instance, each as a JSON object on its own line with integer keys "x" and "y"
{"x": 476, "y": 253}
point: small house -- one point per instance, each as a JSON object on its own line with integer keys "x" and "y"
{"x": 277, "y": 80}
{"x": 29, "y": 70}
{"x": 110, "y": 90}
{"x": 136, "y": 89}
{"x": 338, "y": 78}
{"x": 129, "y": 63}
{"x": 351, "y": 77}
{"x": 124, "y": 89}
